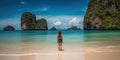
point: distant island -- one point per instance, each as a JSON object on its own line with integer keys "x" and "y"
{"x": 74, "y": 28}
{"x": 53, "y": 28}
{"x": 102, "y": 15}
{"x": 29, "y": 22}
{"x": 9, "y": 28}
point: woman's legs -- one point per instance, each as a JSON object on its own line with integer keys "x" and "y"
{"x": 60, "y": 46}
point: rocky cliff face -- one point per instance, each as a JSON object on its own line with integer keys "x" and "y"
{"x": 9, "y": 28}
{"x": 28, "y": 22}
{"x": 41, "y": 24}
{"x": 102, "y": 14}
{"x": 53, "y": 28}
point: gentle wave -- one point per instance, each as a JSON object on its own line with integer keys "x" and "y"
{"x": 27, "y": 54}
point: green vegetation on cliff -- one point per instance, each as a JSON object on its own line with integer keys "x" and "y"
{"x": 28, "y": 22}
{"x": 102, "y": 14}
{"x": 41, "y": 24}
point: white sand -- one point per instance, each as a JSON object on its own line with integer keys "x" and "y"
{"x": 74, "y": 52}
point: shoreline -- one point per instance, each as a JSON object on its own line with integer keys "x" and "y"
{"x": 109, "y": 52}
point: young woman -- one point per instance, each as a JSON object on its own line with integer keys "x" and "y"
{"x": 59, "y": 41}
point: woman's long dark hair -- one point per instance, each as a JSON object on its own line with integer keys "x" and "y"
{"x": 59, "y": 34}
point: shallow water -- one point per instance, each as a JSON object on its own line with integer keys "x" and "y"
{"x": 24, "y": 43}
{"x": 42, "y": 39}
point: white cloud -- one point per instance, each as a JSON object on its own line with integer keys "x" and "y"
{"x": 57, "y": 23}
{"x": 60, "y": 22}
{"x": 66, "y": 21}
{"x": 41, "y": 9}
{"x": 22, "y": 2}
{"x": 74, "y": 21}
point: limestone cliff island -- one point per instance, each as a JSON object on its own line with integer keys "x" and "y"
{"x": 29, "y": 22}
{"x": 102, "y": 15}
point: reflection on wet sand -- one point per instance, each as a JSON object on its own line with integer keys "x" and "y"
{"x": 60, "y": 55}
{"x": 106, "y": 52}
{"x": 31, "y": 57}
{"x": 26, "y": 47}
{"x": 102, "y": 56}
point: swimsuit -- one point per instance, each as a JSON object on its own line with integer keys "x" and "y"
{"x": 59, "y": 40}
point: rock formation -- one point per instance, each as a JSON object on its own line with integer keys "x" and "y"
{"x": 102, "y": 15}
{"x": 9, "y": 28}
{"x": 28, "y": 22}
{"x": 74, "y": 28}
{"x": 41, "y": 24}
{"x": 53, "y": 28}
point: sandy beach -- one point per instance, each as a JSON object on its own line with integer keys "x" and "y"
{"x": 102, "y": 53}
{"x": 108, "y": 52}
{"x": 46, "y": 53}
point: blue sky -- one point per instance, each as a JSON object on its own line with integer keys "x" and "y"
{"x": 59, "y": 13}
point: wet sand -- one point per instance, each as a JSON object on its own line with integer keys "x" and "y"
{"x": 102, "y": 56}
{"x": 109, "y": 52}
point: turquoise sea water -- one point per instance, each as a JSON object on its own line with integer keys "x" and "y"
{"x": 39, "y": 36}
{"x": 51, "y": 36}
{"x": 35, "y": 41}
